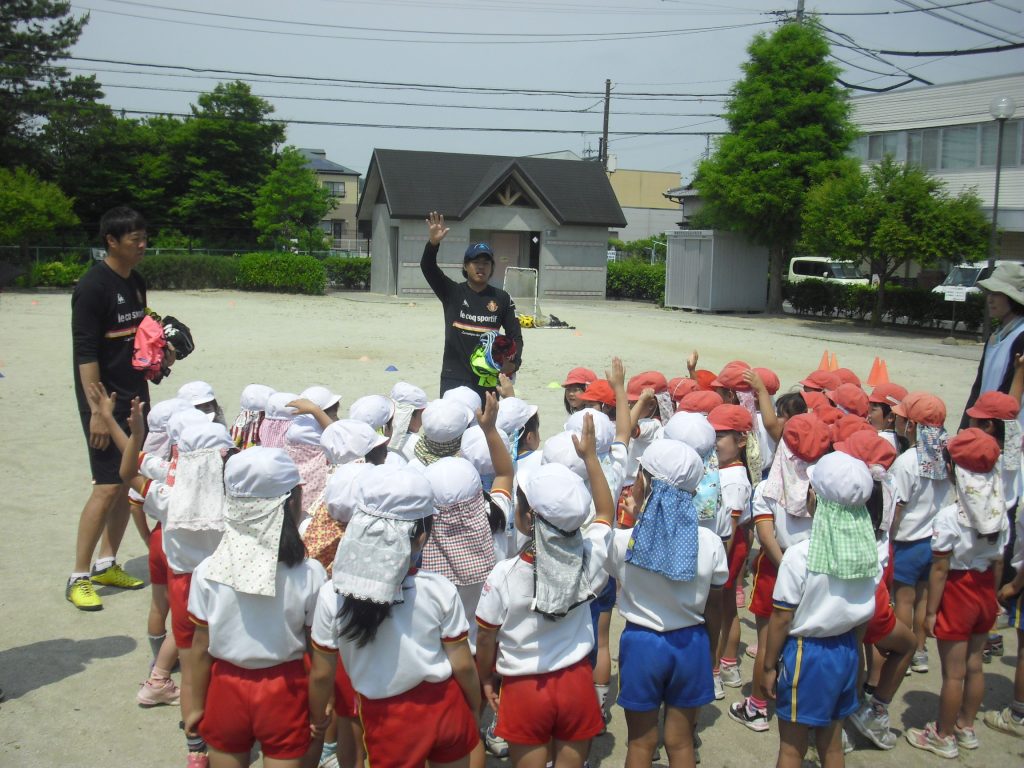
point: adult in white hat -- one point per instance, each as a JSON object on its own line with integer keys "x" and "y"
{"x": 252, "y": 602}
{"x": 1004, "y": 294}
{"x": 401, "y": 632}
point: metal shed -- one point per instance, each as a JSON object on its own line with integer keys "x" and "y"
{"x": 715, "y": 271}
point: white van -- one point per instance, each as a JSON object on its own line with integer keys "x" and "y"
{"x": 823, "y": 268}
{"x": 966, "y": 276}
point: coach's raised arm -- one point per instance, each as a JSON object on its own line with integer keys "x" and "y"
{"x": 474, "y": 312}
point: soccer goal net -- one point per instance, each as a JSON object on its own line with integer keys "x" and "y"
{"x": 521, "y": 285}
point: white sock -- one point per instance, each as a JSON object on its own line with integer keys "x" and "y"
{"x": 102, "y": 564}
{"x": 602, "y": 694}
{"x": 77, "y": 576}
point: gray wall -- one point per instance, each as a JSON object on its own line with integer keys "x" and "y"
{"x": 648, "y": 222}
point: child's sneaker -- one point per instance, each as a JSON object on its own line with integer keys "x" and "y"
{"x": 995, "y": 644}
{"x": 198, "y": 760}
{"x": 496, "y": 745}
{"x": 1005, "y": 722}
{"x": 740, "y": 712}
{"x": 153, "y": 693}
{"x": 751, "y": 651}
{"x": 965, "y": 737}
{"x": 874, "y": 726}
{"x": 920, "y": 662}
{"x": 730, "y": 675}
{"x": 928, "y": 738}
{"x": 741, "y": 596}
{"x": 847, "y": 744}
{"x": 719, "y": 690}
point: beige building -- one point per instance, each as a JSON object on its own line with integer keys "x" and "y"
{"x": 340, "y": 222}
{"x": 641, "y": 194}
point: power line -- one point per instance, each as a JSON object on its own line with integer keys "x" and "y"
{"x": 933, "y": 13}
{"x": 881, "y": 13}
{"x": 959, "y": 52}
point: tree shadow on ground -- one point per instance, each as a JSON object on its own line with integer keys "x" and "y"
{"x": 28, "y": 667}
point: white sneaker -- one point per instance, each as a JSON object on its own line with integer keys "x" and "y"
{"x": 920, "y": 662}
{"x": 719, "y": 690}
{"x": 730, "y": 675}
{"x": 847, "y": 744}
{"x": 874, "y": 726}
{"x": 1004, "y": 721}
{"x": 496, "y": 745}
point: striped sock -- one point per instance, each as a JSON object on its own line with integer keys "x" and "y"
{"x": 195, "y": 743}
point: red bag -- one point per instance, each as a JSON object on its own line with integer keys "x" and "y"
{"x": 150, "y": 344}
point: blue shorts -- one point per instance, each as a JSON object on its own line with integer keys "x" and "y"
{"x": 672, "y": 668}
{"x": 1015, "y": 612}
{"x": 912, "y": 561}
{"x": 603, "y": 603}
{"x": 817, "y": 682}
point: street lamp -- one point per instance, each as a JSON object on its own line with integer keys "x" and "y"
{"x": 1001, "y": 108}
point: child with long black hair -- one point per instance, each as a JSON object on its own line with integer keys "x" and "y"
{"x": 401, "y": 632}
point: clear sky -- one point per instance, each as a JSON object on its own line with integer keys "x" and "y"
{"x": 487, "y": 64}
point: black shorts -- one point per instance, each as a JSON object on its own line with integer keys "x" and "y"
{"x": 105, "y": 465}
{"x": 451, "y": 382}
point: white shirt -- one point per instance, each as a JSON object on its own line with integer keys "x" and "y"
{"x": 154, "y": 467}
{"x": 1010, "y": 476}
{"x": 735, "y": 495}
{"x": 824, "y": 606}
{"x": 528, "y": 642}
{"x": 184, "y": 549}
{"x": 648, "y": 430}
{"x": 970, "y": 551}
{"x": 789, "y": 529}
{"x": 502, "y": 537}
{"x": 408, "y": 448}
{"x": 613, "y": 466}
{"x": 409, "y": 646}
{"x": 255, "y": 631}
{"x": 922, "y": 497}
{"x": 651, "y": 600}
{"x": 765, "y": 441}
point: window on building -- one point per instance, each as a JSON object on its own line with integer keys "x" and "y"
{"x": 1011, "y": 144}
{"x": 882, "y": 144}
{"x": 338, "y": 231}
{"x": 325, "y": 227}
{"x": 959, "y": 147}
{"x": 336, "y": 188}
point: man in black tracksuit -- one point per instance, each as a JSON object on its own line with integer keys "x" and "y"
{"x": 471, "y": 309}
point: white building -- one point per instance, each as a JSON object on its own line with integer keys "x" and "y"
{"x": 948, "y": 131}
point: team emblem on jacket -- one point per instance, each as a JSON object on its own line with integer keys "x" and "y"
{"x": 492, "y": 306}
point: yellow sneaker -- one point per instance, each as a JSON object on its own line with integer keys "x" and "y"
{"x": 115, "y": 576}
{"x": 81, "y": 594}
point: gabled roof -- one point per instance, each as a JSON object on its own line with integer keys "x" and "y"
{"x": 414, "y": 183}
{"x": 317, "y": 161}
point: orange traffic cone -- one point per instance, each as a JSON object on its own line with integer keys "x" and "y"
{"x": 834, "y": 363}
{"x": 823, "y": 365}
{"x": 873, "y": 379}
{"x": 884, "y": 373}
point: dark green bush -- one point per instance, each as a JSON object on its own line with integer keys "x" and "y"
{"x": 348, "y": 272}
{"x": 636, "y": 280}
{"x": 281, "y": 272}
{"x": 53, "y": 274}
{"x": 189, "y": 271}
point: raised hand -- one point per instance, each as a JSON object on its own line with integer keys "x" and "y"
{"x": 488, "y": 417}
{"x": 136, "y": 419}
{"x": 436, "y": 228}
{"x": 691, "y": 362}
{"x": 586, "y": 443}
{"x": 617, "y": 375}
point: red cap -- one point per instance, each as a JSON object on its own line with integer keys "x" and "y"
{"x": 922, "y": 408}
{"x": 822, "y": 380}
{"x": 815, "y": 400}
{"x": 770, "y": 379}
{"x": 869, "y": 447}
{"x": 700, "y": 402}
{"x": 599, "y": 391}
{"x": 851, "y": 398}
{"x": 828, "y": 414}
{"x": 731, "y": 377}
{"x": 704, "y": 379}
{"x": 646, "y": 380}
{"x": 734, "y": 418}
{"x": 806, "y": 436}
{"x": 994, "y": 405}
{"x": 848, "y": 425}
{"x": 679, "y": 387}
{"x": 887, "y": 394}
{"x": 974, "y": 450}
{"x": 846, "y": 376}
{"x": 579, "y": 376}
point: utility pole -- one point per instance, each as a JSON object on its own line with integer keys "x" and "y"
{"x": 799, "y": 10}
{"x": 603, "y": 153}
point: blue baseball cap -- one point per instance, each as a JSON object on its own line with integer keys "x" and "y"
{"x": 476, "y": 250}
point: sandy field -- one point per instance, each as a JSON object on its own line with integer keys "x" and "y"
{"x": 70, "y": 677}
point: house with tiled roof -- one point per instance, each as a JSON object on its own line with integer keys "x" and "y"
{"x": 343, "y": 183}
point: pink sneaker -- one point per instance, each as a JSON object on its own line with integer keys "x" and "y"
{"x": 741, "y": 596}
{"x": 751, "y": 651}
{"x": 153, "y": 693}
{"x": 197, "y": 760}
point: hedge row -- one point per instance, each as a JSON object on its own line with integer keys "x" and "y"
{"x": 633, "y": 279}
{"x": 909, "y": 306}
{"x": 277, "y": 272}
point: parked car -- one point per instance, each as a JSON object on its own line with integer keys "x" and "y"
{"x": 823, "y": 268}
{"x": 966, "y": 276}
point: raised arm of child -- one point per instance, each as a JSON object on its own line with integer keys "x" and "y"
{"x": 623, "y": 420}
{"x": 639, "y": 410}
{"x": 586, "y": 449}
{"x": 691, "y": 364}
{"x": 504, "y": 470}
{"x": 129, "y": 445}
{"x": 303, "y": 405}
{"x": 764, "y": 405}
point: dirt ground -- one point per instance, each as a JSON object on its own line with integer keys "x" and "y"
{"x": 70, "y": 677}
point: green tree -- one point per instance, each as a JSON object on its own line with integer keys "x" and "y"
{"x": 789, "y": 127}
{"x": 290, "y": 204}
{"x": 31, "y": 208}
{"x": 228, "y": 151}
{"x": 33, "y": 35}
{"x": 890, "y": 215}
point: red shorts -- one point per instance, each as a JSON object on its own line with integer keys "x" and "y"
{"x": 738, "y": 556}
{"x": 346, "y": 703}
{"x": 157, "y": 559}
{"x": 431, "y": 723}
{"x": 561, "y": 705}
{"x": 182, "y": 628}
{"x": 765, "y": 573}
{"x": 968, "y": 605}
{"x": 270, "y": 706}
{"x": 623, "y": 518}
{"x": 884, "y": 620}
